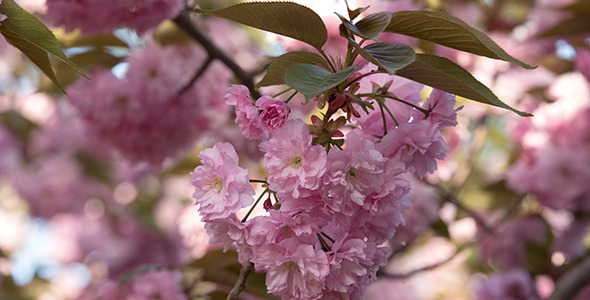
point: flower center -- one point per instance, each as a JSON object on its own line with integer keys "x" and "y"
{"x": 217, "y": 184}
{"x": 352, "y": 172}
{"x": 295, "y": 161}
{"x": 290, "y": 266}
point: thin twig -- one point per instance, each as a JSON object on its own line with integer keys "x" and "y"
{"x": 197, "y": 75}
{"x": 384, "y": 274}
{"x": 448, "y": 197}
{"x": 570, "y": 283}
{"x": 184, "y": 21}
{"x": 241, "y": 282}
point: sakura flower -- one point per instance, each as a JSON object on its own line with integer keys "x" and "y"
{"x": 93, "y": 17}
{"x": 442, "y": 108}
{"x": 354, "y": 173}
{"x": 418, "y": 145}
{"x": 512, "y": 285}
{"x": 583, "y": 63}
{"x": 506, "y": 247}
{"x": 293, "y": 163}
{"x": 293, "y": 270}
{"x": 142, "y": 115}
{"x": 246, "y": 112}
{"x": 154, "y": 284}
{"x": 221, "y": 186}
{"x": 274, "y": 112}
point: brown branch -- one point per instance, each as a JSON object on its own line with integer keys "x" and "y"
{"x": 184, "y": 21}
{"x": 241, "y": 282}
{"x": 570, "y": 283}
{"x": 384, "y": 274}
{"x": 197, "y": 75}
{"x": 448, "y": 197}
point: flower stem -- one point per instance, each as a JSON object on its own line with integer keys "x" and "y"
{"x": 253, "y": 206}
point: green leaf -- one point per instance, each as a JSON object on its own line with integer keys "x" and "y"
{"x": 311, "y": 80}
{"x": 372, "y": 25}
{"x": 441, "y": 228}
{"x": 284, "y": 18}
{"x": 37, "y": 55}
{"x": 279, "y": 66}
{"x": 449, "y": 31}
{"x": 18, "y": 125}
{"x": 390, "y": 57}
{"x": 31, "y": 33}
{"x": 76, "y": 39}
{"x": 85, "y": 60}
{"x": 443, "y": 74}
{"x": 579, "y": 24}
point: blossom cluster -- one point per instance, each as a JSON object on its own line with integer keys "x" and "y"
{"x": 556, "y": 146}
{"x": 94, "y": 17}
{"x": 153, "y": 284}
{"x": 330, "y": 209}
{"x": 148, "y": 115}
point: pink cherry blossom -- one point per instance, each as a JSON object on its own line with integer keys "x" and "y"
{"x": 442, "y": 108}
{"x": 93, "y": 17}
{"x": 246, "y": 112}
{"x": 293, "y": 270}
{"x": 418, "y": 145}
{"x": 354, "y": 173}
{"x": 506, "y": 246}
{"x": 583, "y": 63}
{"x": 221, "y": 186}
{"x": 153, "y": 284}
{"x": 512, "y": 285}
{"x": 143, "y": 115}
{"x": 294, "y": 165}
{"x": 274, "y": 112}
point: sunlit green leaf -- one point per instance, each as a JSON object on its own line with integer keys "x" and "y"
{"x": 279, "y": 66}
{"x": 86, "y": 61}
{"x": 443, "y": 74}
{"x": 284, "y": 18}
{"x": 37, "y": 55}
{"x": 311, "y": 80}
{"x": 76, "y": 39}
{"x": 446, "y": 30}
{"x": 31, "y": 32}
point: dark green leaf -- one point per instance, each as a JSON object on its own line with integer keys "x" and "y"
{"x": 441, "y": 228}
{"x": 279, "y": 66}
{"x": 372, "y": 25}
{"x": 578, "y": 8}
{"x": 284, "y": 18}
{"x": 32, "y": 33}
{"x": 352, "y": 14}
{"x": 449, "y": 31}
{"x": 579, "y": 24}
{"x": 390, "y": 57}
{"x": 443, "y": 74}
{"x": 311, "y": 80}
